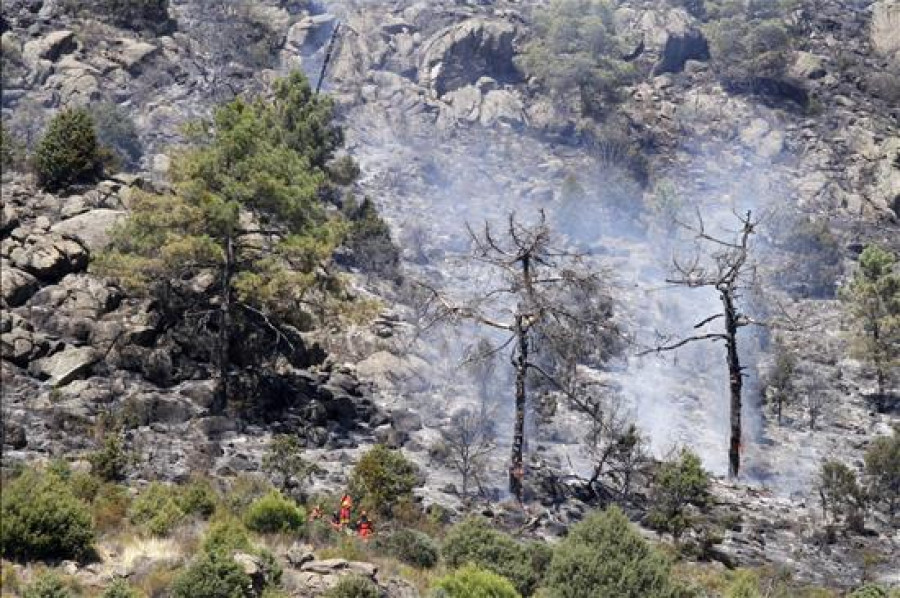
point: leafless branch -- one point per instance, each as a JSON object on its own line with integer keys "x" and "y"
{"x": 683, "y": 342}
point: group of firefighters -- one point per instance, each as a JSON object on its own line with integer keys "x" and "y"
{"x": 341, "y": 520}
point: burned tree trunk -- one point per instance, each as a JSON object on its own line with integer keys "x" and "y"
{"x": 224, "y": 348}
{"x": 735, "y": 378}
{"x": 533, "y": 285}
{"x": 728, "y": 258}
{"x": 520, "y": 361}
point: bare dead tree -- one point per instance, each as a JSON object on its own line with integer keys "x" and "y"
{"x": 724, "y": 270}
{"x": 467, "y": 442}
{"x": 612, "y": 441}
{"x": 481, "y": 363}
{"x": 527, "y": 297}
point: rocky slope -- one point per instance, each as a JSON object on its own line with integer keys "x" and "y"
{"x": 448, "y": 131}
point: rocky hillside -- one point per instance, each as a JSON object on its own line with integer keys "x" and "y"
{"x": 453, "y": 121}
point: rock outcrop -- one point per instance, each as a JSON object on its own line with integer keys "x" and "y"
{"x": 448, "y": 132}
{"x": 461, "y": 54}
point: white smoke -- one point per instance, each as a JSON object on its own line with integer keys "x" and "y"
{"x": 429, "y": 183}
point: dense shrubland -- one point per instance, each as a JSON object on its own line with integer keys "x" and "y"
{"x": 472, "y": 558}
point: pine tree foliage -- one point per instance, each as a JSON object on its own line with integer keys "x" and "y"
{"x": 69, "y": 153}
{"x": 246, "y": 223}
{"x": 873, "y": 298}
{"x": 604, "y": 556}
{"x": 576, "y": 49}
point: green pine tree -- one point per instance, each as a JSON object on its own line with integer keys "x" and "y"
{"x": 873, "y": 299}
{"x": 69, "y": 153}
{"x": 246, "y": 214}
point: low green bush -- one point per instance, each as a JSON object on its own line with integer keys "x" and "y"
{"x": 69, "y": 152}
{"x": 213, "y": 575}
{"x": 604, "y": 556}
{"x": 744, "y": 585}
{"x": 47, "y": 585}
{"x": 284, "y": 460}
{"x": 42, "y": 519}
{"x": 472, "y": 582}
{"x": 343, "y": 170}
{"x": 752, "y": 54}
{"x": 873, "y": 591}
{"x": 815, "y": 258}
{"x": 382, "y": 478}
{"x": 120, "y": 589}
{"x": 84, "y": 486}
{"x": 353, "y": 586}
{"x": 274, "y": 513}
{"x": 678, "y": 485}
{"x": 155, "y": 510}
{"x": 242, "y": 491}
{"x": 475, "y": 541}
{"x": 883, "y": 470}
{"x": 197, "y": 497}
{"x": 843, "y": 500}
{"x": 411, "y": 547}
{"x": 226, "y": 535}
{"x": 110, "y": 463}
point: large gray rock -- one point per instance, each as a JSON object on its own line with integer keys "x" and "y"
{"x": 9, "y": 217}
{"x": 341, "y": 567}
{"x": 654, "y": 26}
{"x": 464, "y": 104}
{"x": 309, "y": 32}
{"x": 387, "y": 370}
{"x": 131, "y": 54}
{"x": 91, "y": 228}
{"x": 405, "y": 420}
{"x": 73, "y": 307}
{"x": 65, "y": 366}
{"x": 502, "y": 107}
{"x": 257, "y": 569}
{"x": 154, "y": 408}
{"x": 19, "y": 343}
{"x": 681, "y": 47}
{"x": 17, "y": 286}
{"x": 78, "y": 88}
{"x": 50, "y": 47}
{"x": 461, "y": 54}
{"x": 807, "y": 66}
{"x": 887, "y": 177}
{"x": 299, "y": 554}
{"x": 50, "y": 257}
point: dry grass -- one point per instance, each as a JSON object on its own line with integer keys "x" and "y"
{"x": 10, "y": 584}
{"x": 156, "y": 583}
{"x": 710, "y": 580}
{"x": 153, "y": 550}
{"x": 422, "y": 579}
